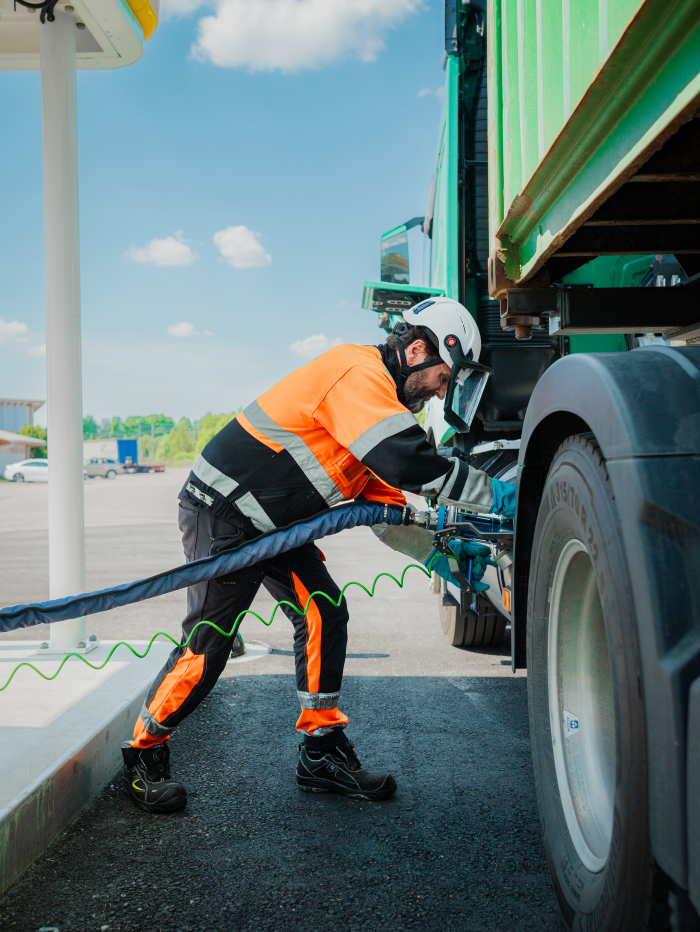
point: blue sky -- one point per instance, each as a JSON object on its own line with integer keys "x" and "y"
{"x": 296, "y": 130}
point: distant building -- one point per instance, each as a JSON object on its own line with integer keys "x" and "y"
{"x": 14, "y": 414}
{"x": 15, "y": 447}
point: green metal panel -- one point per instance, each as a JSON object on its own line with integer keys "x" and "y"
{"x": 527, "y": 84}
{"x": 582, "y": 47}
{"x": 606, "y": 272}
{"x": 512, "y": 145}
{"x": 595, "y": 83}
{"x": 401, "y": 229}
{"x": 550, "y": 90}
{"x": 494, "y": 30}
{"x": 444, "y": 264}
{"x": 416, "y": 292}
{"x": 611, "y": 272}
{"x": 597, "y": 343}
{"x": 450, "y": 175}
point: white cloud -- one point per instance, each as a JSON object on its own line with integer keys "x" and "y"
{"x": 438, "y": 92}
{"x": 38, "y": 350}
{"x": 183, "y": 329}
{"x": 172, "y": 250}
{"x": 313, "y": 345}
{"x": 208, "y": 333}
{"x": 12, "y": 330}
{"x": 293, "y": 35}
{"x": 242, "y": 248}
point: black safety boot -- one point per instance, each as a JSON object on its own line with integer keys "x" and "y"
{"x": 147, "y": 779}
{"x": 337, "y": 770}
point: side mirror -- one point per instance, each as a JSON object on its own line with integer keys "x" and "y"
{"x": 395, "y": 254}
{"x": 394, "y": 262}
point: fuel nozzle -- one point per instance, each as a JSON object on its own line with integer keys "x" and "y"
{"x": 424, "y": 519}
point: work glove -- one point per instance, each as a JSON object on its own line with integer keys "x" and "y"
{"x": 503, "y": 498}
{"x": 463, "y": 550}
{"x": 475, "y": 491}
{"x": 414, "y": 542}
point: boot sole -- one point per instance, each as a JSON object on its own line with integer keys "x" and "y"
{"x": 325, "y": 786}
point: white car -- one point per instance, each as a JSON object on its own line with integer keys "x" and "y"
{"x": 28, "y": 471}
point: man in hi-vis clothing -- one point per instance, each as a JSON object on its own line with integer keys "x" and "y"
{"x": 340, "y": 428}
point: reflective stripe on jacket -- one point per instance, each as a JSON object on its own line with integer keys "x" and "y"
{"x": 328, "y": 432}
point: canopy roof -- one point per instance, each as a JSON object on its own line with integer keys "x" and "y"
{"x": 24, "y": 403}
{"x": 109, "y": 34}
{"x": 7, "y": 436}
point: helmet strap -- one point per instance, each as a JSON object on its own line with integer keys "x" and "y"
{"x": 407, "y": 370}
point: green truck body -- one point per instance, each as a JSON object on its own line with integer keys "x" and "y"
{"x": 564, "y": 213}
{"x": 582, "y": 93}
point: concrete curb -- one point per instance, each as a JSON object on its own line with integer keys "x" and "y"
{"x": 31, "y": 821}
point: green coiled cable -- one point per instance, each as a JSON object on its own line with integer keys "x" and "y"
{"x": 231, "y": 633}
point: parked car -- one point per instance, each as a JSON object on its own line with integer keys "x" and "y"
{"x": 101, "y": 466}
{"x": 28, "y": 471}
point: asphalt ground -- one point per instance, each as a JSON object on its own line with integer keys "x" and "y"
{"x": 459, "y": 846}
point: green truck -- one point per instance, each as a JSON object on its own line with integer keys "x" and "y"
{"x": 565, "y": 214}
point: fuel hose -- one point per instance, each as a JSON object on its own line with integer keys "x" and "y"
{"x": 330, "y": 521}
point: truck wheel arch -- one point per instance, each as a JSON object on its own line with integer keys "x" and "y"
{"x": 643, "y": 407}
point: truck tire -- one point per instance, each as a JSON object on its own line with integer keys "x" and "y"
{"x": 465, "y": 629}
{"x": 587, "y": 717}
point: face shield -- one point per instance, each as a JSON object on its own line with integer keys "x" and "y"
{"x": 464, "y": 391}
{"x": 467, "y": 382}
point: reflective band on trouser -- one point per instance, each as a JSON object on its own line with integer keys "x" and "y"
{"x": 299, "y": 452}
{"x": 249, "y": 506}
{"x": 384, "y": 429}
{"x": 318, "y": 700}
{"x": 319, "y": 711}
{"x": 170, "y": 695}
{"x": 152, "y": 726}
{"x": 213, "y": 477}
{"x": 197, "y": 493}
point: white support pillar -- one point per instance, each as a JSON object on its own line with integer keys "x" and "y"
{"x": 63, "y": 350}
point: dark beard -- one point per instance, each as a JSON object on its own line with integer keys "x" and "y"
{"x": 415, "y": 391}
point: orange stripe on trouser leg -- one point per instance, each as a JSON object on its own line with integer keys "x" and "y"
{"x": 142, "y": 739}
{"x": 170, "y": 695}
{"x": 311, "y": 719}
{"x": 314, "y": 627}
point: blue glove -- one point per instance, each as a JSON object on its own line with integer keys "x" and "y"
{"x": 503, "y": 498}
{"x": 463, "y": 550}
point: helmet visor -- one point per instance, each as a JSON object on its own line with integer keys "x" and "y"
{"x": 463, "y": 395}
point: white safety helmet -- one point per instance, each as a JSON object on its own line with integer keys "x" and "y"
{"x": 453, "y": 331}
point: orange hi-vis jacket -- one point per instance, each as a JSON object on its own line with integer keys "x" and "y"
{"x": 329, "y": 432}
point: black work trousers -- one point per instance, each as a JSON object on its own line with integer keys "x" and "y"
{"x": 320, "y": 634}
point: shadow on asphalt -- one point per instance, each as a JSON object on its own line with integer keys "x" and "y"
{"x": 459, "y": 846}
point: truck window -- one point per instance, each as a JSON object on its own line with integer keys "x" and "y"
{"x": 394, "y": 261}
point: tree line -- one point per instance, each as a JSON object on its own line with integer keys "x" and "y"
{"x": 160, "y": 439}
